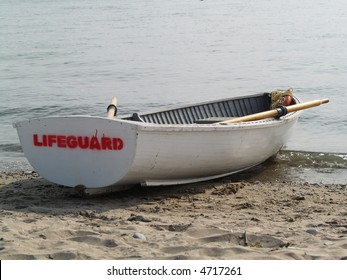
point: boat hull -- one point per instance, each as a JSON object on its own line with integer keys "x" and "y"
{"x": 176, "y": 154}
{"x": 98, "y": 154}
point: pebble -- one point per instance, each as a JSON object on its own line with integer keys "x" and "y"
{"x": 88, "y": 213}
{"x": 139, "y": 236}
{"x": 111, "y": 243}
{"x": 312, "y": 231}
{"x": 139, "y": 218}
{"x": 298, "y": 197}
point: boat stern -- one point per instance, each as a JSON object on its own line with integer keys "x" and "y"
{"x": 84, "y": 151}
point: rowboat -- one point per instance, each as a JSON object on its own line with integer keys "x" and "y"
{"x": 178, "y": 145}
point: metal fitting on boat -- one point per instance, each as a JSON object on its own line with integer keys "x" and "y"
{"x": 112, "y": 106}
{"x": 281, "y": 111}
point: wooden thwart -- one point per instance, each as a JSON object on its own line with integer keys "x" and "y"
{"x": 275, "y": 112}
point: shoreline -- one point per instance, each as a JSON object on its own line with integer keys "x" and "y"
{"x": 244, "y": 216}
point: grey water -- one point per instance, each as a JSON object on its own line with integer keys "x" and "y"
{"x": 72, "y": 56}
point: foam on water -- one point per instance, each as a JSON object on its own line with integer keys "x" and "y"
{"x": 312, "y": 167}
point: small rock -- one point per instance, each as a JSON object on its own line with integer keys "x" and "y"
{"x": 312, "y": 231}
{"x": 43, "y": 236}
{"x": 176, "y": 228}
{"x": 110, "y": 243}
{"x": 139, "y": 218}
{"x": 88, "y": 213}
{"x": 138, "y": 235}
{"x": 298, "y": 197}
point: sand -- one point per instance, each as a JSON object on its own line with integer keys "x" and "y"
{"x": 239, "y": 217}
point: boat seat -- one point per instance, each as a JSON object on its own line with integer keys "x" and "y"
{"x": 136, "y": 117}
{"x": 212, "y": 120}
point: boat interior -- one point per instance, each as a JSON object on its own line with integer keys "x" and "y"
{"x": 207, "y": 112}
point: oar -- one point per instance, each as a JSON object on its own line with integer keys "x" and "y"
{"x": 278, "y": 112}
{"x": 112, "y": 108}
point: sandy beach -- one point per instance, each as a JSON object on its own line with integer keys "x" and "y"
{"x": 239, "y": 217}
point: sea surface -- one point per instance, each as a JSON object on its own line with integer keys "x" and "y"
{"x": 72, "y": 56}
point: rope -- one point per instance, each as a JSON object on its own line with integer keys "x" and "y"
{"x": 278, "y": 97}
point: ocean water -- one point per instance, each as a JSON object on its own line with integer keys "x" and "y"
{"x": 72, "y": 56}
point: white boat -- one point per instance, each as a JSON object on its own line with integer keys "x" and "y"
{"x": 170, "y": 146}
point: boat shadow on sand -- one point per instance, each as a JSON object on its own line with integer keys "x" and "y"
{"x": 29, "y": 192}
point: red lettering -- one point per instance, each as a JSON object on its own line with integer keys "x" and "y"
{"x": 44, "y": 140}
{"x": 71, "y": 142}
{"x": 83, "y": 142}
{"x": 51, "y": 140}
{"x": 117, "y": 144}
{"x": 61, "y": 141}
{"x": 36, "y": 141}
{"x": 94, "y": 144}
{"x": 106, "y": 143}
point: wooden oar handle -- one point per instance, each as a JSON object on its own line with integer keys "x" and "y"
{"x": 112, "y": 108}
{"x": 275, "y": 112}
{"x": 306, "y": 105}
